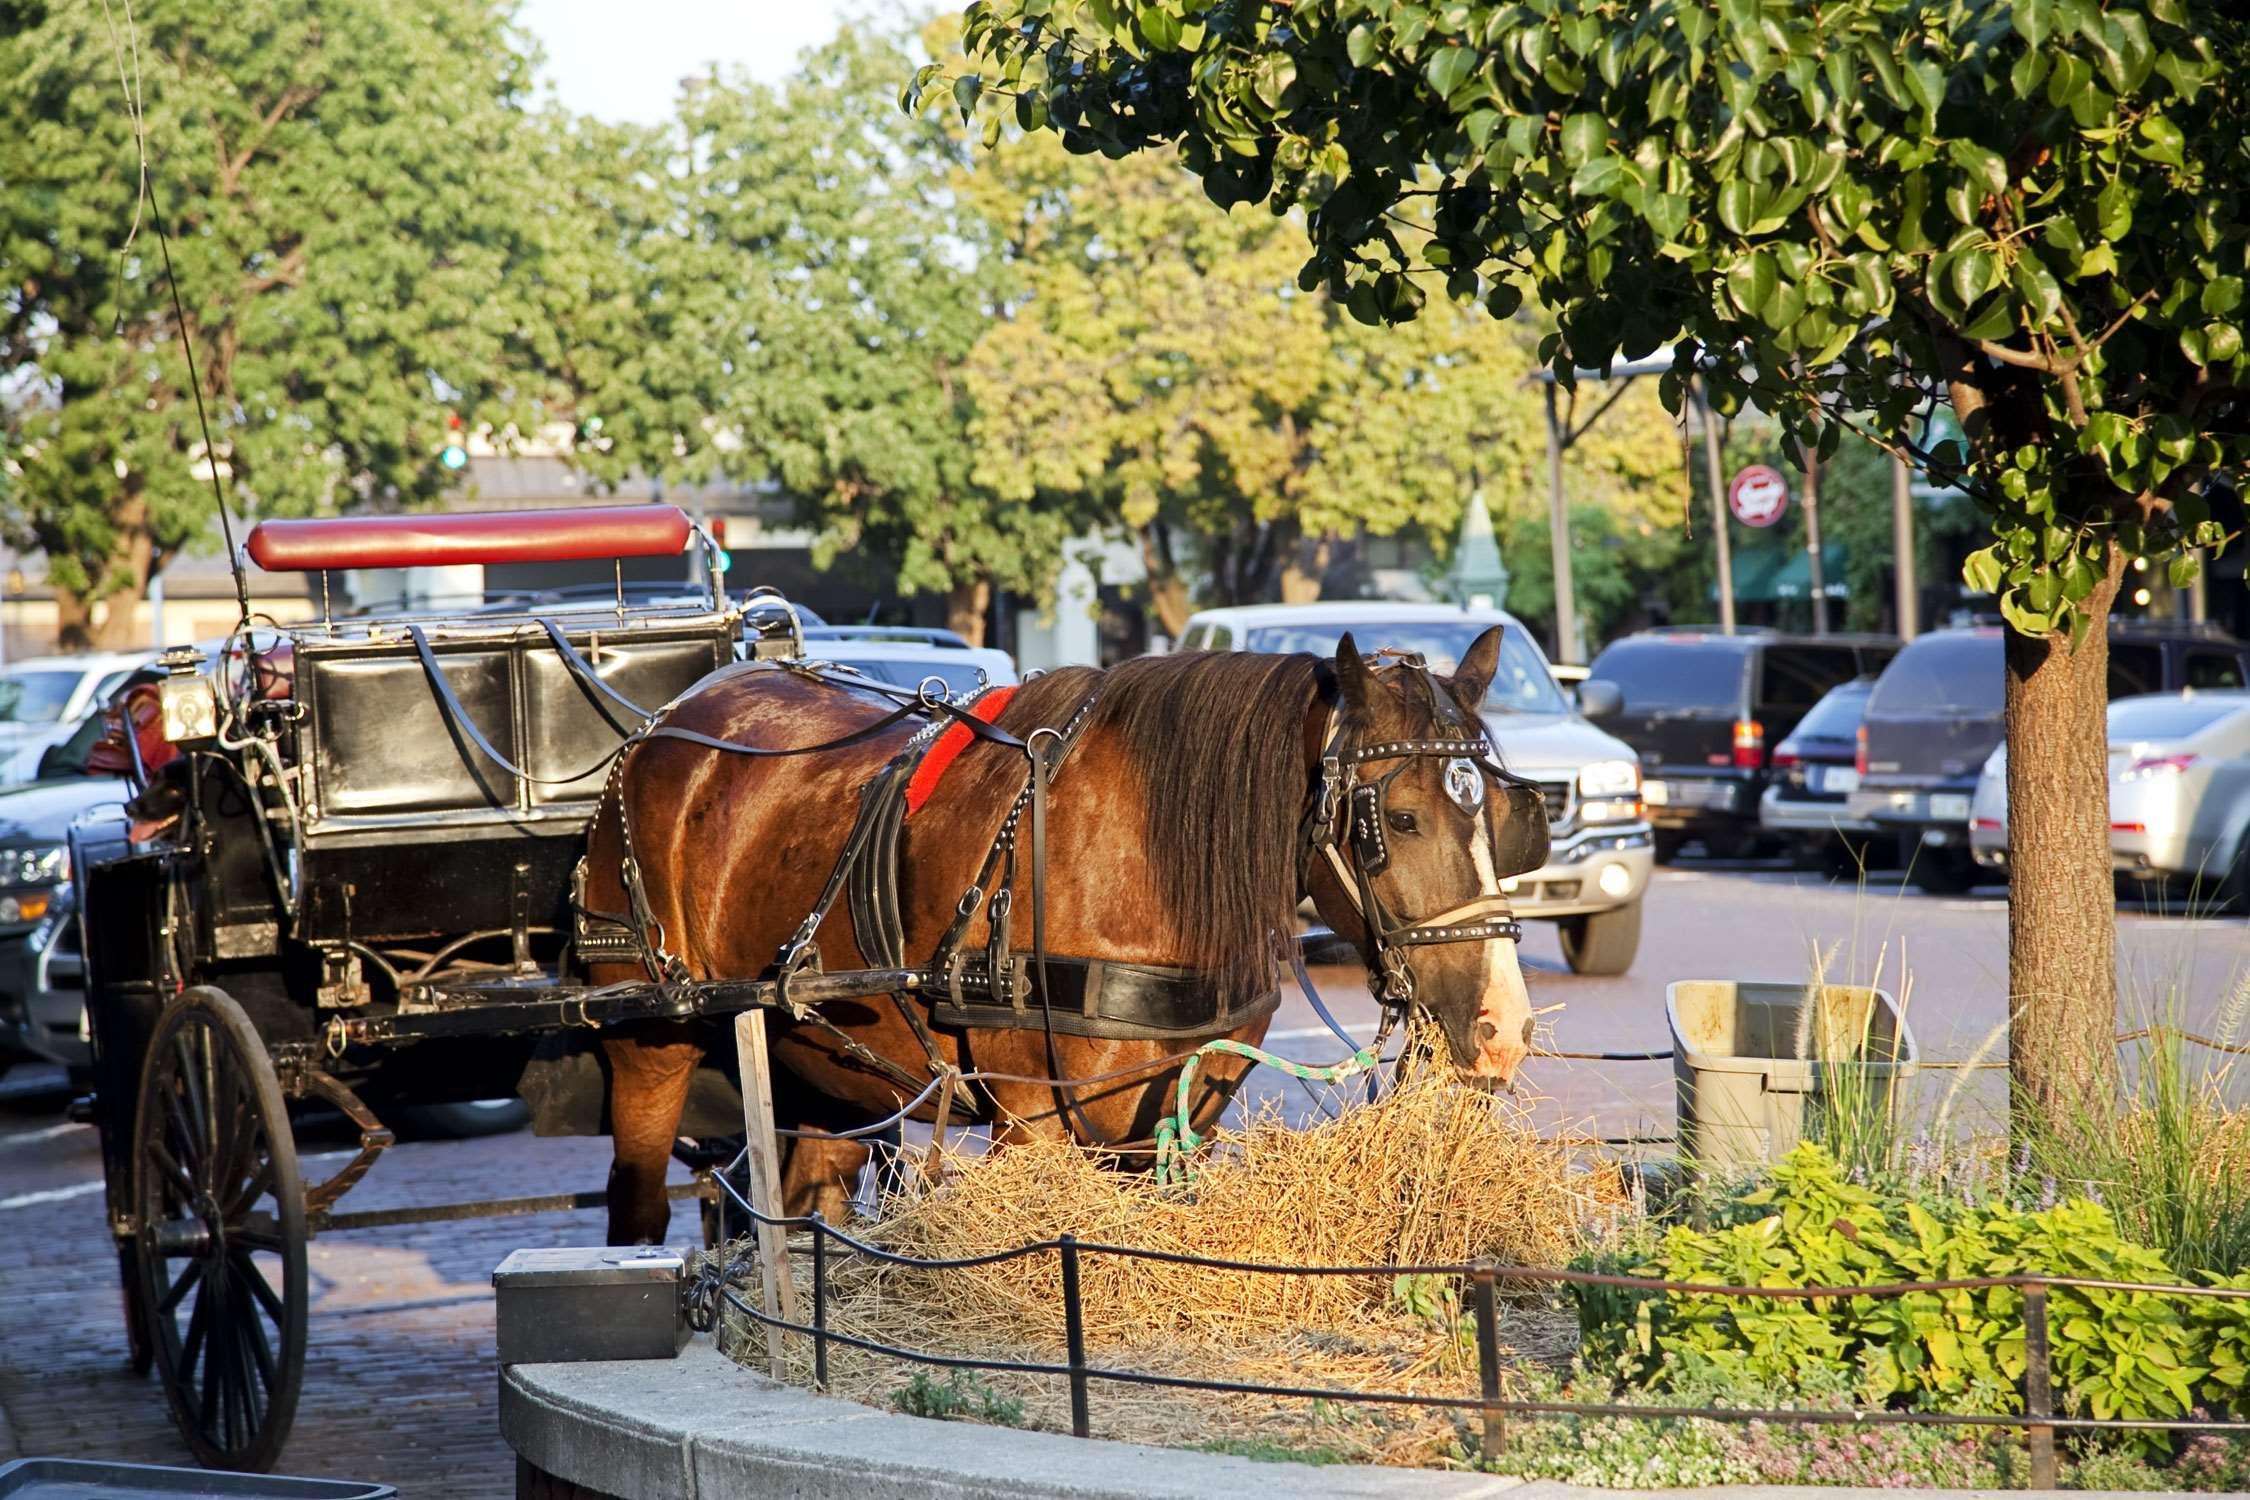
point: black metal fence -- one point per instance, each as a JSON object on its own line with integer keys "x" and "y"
{"x": 2039, "y": 1420}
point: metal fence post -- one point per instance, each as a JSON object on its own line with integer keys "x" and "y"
{"x": 819, "y": 1300}
{"x": 1074, "y": 1335}
{"x": 1488, "y": 1358}
{"x": 2038, "y": 1391}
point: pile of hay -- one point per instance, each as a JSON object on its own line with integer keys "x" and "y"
{"x": 1433, "y": 1174}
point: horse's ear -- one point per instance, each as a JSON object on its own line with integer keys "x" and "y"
{"x": 1474, "y": 675}
{"x": 1355, "y": 683}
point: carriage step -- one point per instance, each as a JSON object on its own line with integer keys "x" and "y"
{"x": 495, "y": 1208}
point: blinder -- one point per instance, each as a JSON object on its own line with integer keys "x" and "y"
{"x": 1521, "y": 847}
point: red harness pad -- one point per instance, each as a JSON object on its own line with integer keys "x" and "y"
{"x": 947, "y": 747}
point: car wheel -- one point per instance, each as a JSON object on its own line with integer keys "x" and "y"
{"x": 460, "y": 1122}
{"x": 1667, "y": 847}
{"x": 1943, "y": 872}
{"x": 1603, "y": 943}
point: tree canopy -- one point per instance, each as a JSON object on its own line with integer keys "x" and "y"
{"x": 352, "y": 274}
{"x": 1845, "y": 212}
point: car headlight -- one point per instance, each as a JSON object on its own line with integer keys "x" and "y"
{"x": 49, "y": 866}
{"x": 1609, "y": 778}
{"x": 1609, "y": 791}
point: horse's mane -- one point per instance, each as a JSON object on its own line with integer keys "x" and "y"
{"x": 1218, "y": 737}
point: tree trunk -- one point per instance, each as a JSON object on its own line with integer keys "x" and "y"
{"x": 2062, "y": 906}
{"x": 1306, "y": 568}
{"x": 1167, "y": 593}
{"x": 96, "y": 619}
{"x": 966, "y": 605}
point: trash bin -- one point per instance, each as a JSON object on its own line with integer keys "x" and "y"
{"x": 1746, "y": 1057}
{"x": 82, "y": 1478}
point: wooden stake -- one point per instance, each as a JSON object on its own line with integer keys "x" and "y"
{"x": 780, "y": 1293}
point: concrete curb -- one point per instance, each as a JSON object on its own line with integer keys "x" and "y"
{"x": 701, "y": 1427}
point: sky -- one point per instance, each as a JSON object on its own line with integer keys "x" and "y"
{"x": 624, "y": 61}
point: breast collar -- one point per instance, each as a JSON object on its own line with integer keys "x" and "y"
{"x": 1360, "y": 850}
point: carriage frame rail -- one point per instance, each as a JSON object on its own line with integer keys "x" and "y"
{"x": 2039, "y": 1420}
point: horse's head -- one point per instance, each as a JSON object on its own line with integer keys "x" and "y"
{"x": 1413, "y": 829}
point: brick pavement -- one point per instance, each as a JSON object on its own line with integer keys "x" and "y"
{"x": 399, "y": 1381}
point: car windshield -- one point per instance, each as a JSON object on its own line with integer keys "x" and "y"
{"x": 2169, "y": 718}
{"x": 1659, "y": 674}
{"x": 1521, "y": 684}
{"x": 1942, "y": 674}
{"x": 35, "y": 697}
{"x": 1837, "y": 716}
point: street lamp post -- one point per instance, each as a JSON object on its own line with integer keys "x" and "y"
{"x": 1714, "y": 474}
{"x": 1558, "y": 535}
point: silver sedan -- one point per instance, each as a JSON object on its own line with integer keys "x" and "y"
{"x": 2179, "y": 793}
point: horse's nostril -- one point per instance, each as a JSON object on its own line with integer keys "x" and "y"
{"x": 1527, "y": 1031}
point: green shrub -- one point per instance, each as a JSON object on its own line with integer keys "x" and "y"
{"x": 2114, "y": 1354}
{"x": 960, "y": 1396}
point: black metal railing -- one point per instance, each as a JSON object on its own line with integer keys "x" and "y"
{"x": 2039, "y": 1420}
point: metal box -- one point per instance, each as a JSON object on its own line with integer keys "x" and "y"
{"x": 601, "y": 1302}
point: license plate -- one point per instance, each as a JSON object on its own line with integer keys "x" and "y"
{"x": 1949, "y": 809}
{"x": 1837, "y": 779}
{"x": 1655, "y": 793}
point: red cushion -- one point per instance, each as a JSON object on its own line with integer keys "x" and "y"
{"x": 437, "y": 540}
{"x": 949, "y": 745}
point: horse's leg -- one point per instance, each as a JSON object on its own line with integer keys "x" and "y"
{"x": 818, "y": 1175}
{"x": 650, "y": 1066}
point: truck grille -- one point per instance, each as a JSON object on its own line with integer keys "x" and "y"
{"x": 1557, "y": 794}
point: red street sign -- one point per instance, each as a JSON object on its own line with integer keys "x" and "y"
{"x": 1758, "y": 495}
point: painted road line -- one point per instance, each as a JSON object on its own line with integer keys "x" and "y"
{"x": 81, "y": 1189}
{"x": 47, "y": 1134}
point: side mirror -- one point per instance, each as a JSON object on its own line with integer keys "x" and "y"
{"x": 1600, "y": 699}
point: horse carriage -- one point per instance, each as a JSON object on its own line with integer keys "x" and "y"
{"x": 423, "y": 858}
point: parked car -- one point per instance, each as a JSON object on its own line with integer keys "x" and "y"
{"x": 1936, "y": 716}
{"x": 42, "y": 968}
{"x": 1702, "y": 710}
{"x": 1814, "y": 771}
{"x": 1598, "y": 868}
{"x": 44, "y": 698}
{"x": 907, "y": 659}
{"x": 2179, "y": 796}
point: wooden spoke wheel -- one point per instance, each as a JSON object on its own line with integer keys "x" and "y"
{"x": 219, "y": 1248}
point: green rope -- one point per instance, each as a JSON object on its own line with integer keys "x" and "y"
{"x": 1176, "y": 1139}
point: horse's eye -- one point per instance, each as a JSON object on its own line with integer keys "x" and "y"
{"x": 1402, "y": 822}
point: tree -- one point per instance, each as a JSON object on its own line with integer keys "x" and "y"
{"x": 1238, "y": 427}
{"x": 346, "y": 189}
{"x": 1842, "y": 212}
{"x": 819, "y": 290}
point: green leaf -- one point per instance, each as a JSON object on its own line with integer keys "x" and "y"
{"x": 1751, "y": 282}
{"x": 1981, "y": 570}
{"x": 2221, "y": 295}
{"x": 1503, "y": 299}
{"x": 1448, "y": 68}
{"x": 1971, "y": 273}
{"x": 1598, "y": 177}
{"x": 2162, "y": 140}
{"x": 1584, "y": 136}
{"x": 1361, "y": 44}
{"x": 2036, "y": 285}
{"x": 2221, "y": 342}
{"x": 2181, "y": 571}
{"x": 967, "y": 89}
{"x": 1738, "y": 204}
{"x": 1986, "y": 168}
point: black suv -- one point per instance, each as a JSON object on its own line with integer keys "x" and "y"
{"x": 1938, "y": 712}
{"x": 1702, "y": 709}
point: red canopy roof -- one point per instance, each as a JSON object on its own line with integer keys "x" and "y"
{"x": 435, "y": 541}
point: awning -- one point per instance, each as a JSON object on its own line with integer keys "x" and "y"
{"x": 1765, "y": 575}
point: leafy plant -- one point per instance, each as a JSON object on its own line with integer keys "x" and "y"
{"x": 2113, "y": 1353}
{"x": 962, "y": 1395}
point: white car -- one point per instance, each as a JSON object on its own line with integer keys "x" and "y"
{"x": 1602, "y": 851}
{"x": 2179, "y": 794}
{"x": 44, "y": 698}
{"x": 907, "y": 656}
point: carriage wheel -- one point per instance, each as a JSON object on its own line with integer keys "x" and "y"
{"x": 220, "y": 1248}
{"x": 139, "y": 1350}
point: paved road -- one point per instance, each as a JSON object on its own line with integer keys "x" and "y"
{"x": 400, "y": 1385}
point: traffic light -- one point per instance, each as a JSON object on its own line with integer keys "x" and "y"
{"x": 724, "y": 562}
{"x": 453, "y": 455}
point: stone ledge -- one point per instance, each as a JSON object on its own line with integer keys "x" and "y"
{"x": 701, "y": 1427}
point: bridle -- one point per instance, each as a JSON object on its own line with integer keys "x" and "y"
{"x": 1359, "y": 850}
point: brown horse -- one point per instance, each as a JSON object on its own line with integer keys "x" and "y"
{"x": 1177, "y": 825}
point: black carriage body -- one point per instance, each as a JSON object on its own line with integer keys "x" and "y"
{"x": 391, "y": 851}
